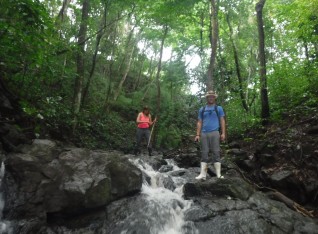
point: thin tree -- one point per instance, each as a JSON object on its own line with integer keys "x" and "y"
{"x": 165, "y": 33}
{"x": 151, "y": 70}
{"x": 127, "y": 60}
{"x": 63, "y": 10}
{"x": 78, "y": 89}
{"x": 262, "y": 70}
{"x": 127, "y": 68}
{"x": 237, "y": 66}
{"x": 101, "y": 32}
{"x": 214, "y": 35}
{"x": 113, "y": 54}
{"x": 166, "y": 28}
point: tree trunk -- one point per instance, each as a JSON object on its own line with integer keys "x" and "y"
{"x": 251, "y": 73}
{"x": 136, "y": 84}
{"x": 143, "y": 60}
{"x": 130, "y": 47}
{"x": 306, "y": 51}
{"x": 63, "y": 10}
{"x": 148, "y": 86}
{"x": 237, "y": 65}
{"x": 123, "y": 79}
{"x": 9, "y": 103}
{"x": 150, "y": 73}
{"x": 127, "y": 48}
{"x": 80, "y": 61}
{"x": 262, "y": 70}
{"x": 99, "y": 36}
{"x": 214, "y": 29}
{"x": 159, "y": 68}
{"x": 201, "y": 35}
{"x": 113, "y": 38}
{"x": 166, "y": 28}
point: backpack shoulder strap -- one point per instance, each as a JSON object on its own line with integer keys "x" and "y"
{"x": 217, "y": 113}
{"x": 202, "y": 113}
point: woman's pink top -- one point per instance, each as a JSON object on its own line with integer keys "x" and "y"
{"x": 144, "y": 118}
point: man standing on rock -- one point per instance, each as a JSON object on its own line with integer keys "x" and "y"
{"x": 210, "y": 130}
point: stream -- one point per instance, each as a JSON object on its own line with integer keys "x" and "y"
{"x": 165, "y": 206}
{"x": 4, "y": 225}
{"x": 160, "y": 207}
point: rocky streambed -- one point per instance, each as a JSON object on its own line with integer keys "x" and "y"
{"x": 51, "y": 188}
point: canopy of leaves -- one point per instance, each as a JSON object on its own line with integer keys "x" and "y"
{"x": 38, "y": 51}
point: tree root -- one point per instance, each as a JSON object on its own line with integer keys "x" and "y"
{"x": 276, "y": 195}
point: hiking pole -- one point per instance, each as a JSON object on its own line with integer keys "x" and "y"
{"x": 153, "y": 126}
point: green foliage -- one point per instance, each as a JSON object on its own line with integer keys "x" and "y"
{"x": 290, "y": 84}
{"x": 177, "y": 119}
{"x": 311, "y": 72}
{"x": 237, "y": 119}
{"x": 169, "y": 138}
{"x": 109, "y": 131}
{"x": 25, "y": 31}
{"x": 38, "y": 62}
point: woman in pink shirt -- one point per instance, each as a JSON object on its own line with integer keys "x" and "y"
{"x": 143, "y": 122}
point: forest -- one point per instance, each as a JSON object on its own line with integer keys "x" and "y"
{"x": 82, "y": 70}
{"x": 74, "y": 74}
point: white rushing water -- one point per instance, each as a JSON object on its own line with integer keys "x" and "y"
{"x": 166, "y": 207}
{"x": 162, "y": 212}
{"x": 4, "y": 225}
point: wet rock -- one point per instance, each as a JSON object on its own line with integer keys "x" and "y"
{"x": 238, "y": 156}
{"x": 234, "y": 187}
{"x": 156, "y": 163}
{"x": 279, "y": 178}
{"x": 265, "y": 159}
{"x": 11, "y": 137}
{"x": 177, "y": 173}
{"x": 197, "y": 213}
{"x": 313, "y": 130}
{"x": 257, "y": 214}
{"x": 165, "y": 168}
{"x": 146, "y": 177}
{"x": 168, "y": 183}
{"x": 236, "y": 221}
{"x": 237, "y": 152}
{"x": 186, "y": 160}
{"x": 44, "y": 179}
{"x": 279, "y": 215}
{"x": 234, "y": 144}
{"x": 247, "y": 165}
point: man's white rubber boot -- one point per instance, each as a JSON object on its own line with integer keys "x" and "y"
{"x": 204, "y": 169}
{"x": 217, "y": 167}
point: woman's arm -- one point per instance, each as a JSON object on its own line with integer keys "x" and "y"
{"x": 138, "y": 118}
{"x": 150, "y": 120}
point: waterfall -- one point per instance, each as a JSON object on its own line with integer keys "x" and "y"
{"x": 158, "y": 209}
{"x": 4, "y": 225}
{"x": 165, "y": 207}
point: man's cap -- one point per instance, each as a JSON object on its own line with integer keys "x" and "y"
{"x": 211, "y": 93}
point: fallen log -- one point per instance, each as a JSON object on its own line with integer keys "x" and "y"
{"x": 276, "y": 195}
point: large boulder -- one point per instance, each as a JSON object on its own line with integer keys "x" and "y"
{"x": 44, "y": 180}
{"x": 231, "y": 205}
{"x": 233, "y": 187}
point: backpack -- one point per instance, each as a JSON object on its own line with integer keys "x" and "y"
{"x": 217, "y": 113}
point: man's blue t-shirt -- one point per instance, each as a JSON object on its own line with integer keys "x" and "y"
{"x": 210, "y": 118}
